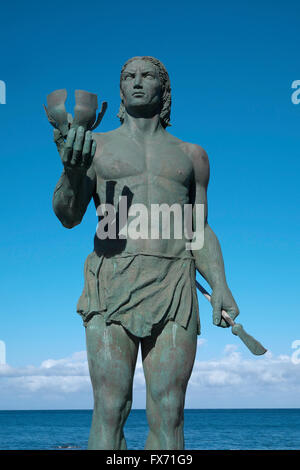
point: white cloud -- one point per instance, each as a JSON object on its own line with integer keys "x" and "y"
{"x": 232, "y": 369}
{"x": 228, "y": 376}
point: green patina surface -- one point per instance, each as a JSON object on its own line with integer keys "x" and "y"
{"x": 137, "y": 292}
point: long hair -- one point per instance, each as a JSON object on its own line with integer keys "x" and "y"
{"x": 166, "y": 90}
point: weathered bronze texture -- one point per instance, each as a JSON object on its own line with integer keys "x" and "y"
{"x": 237, "y": 329}
{"x": 138, "y": 292}
{"x": 84, "y": 111}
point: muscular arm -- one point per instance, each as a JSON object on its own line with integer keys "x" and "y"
{"x": 72, "y": 195}
{"x": 77, "y": 183}
{"x": 209, "y": 259}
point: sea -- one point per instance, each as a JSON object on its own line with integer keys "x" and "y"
{"x": 221, "y": 429}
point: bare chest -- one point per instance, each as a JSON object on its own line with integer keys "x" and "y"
{"x": 128, "y": 159}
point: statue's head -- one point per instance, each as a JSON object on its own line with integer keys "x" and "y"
{"x": 148, "y": 76}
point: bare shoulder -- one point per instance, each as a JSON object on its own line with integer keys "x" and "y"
{"x": 197, "y": 153}
{"x": 102, "y": 137}
{"x": 194, "y": 151}
{"x": 199, "y": 159}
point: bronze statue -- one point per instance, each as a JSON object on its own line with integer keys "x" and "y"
{"x": 139, "y": 291}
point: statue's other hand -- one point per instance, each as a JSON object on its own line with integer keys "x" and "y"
{"x": 78, "y": 151}
{"x": 222, "y": 299}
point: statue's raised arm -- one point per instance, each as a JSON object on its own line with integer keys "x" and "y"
{"x": 76, "y": 147}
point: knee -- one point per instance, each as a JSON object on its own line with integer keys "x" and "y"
{"x": 167, "y": 408}
{"x": 111, "y": 408}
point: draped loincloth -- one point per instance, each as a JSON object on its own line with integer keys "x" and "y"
{"x": 139, "y": 291}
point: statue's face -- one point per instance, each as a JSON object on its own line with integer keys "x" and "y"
{"x": 140, "y": 87}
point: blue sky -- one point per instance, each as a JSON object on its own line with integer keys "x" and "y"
{"x": 231, "y": 66}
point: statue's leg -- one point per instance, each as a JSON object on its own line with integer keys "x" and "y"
{"x": 112, "y": 354}
{"x": 168, "y": 361}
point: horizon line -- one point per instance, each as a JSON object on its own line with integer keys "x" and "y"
{"x": 144, "y": 409}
